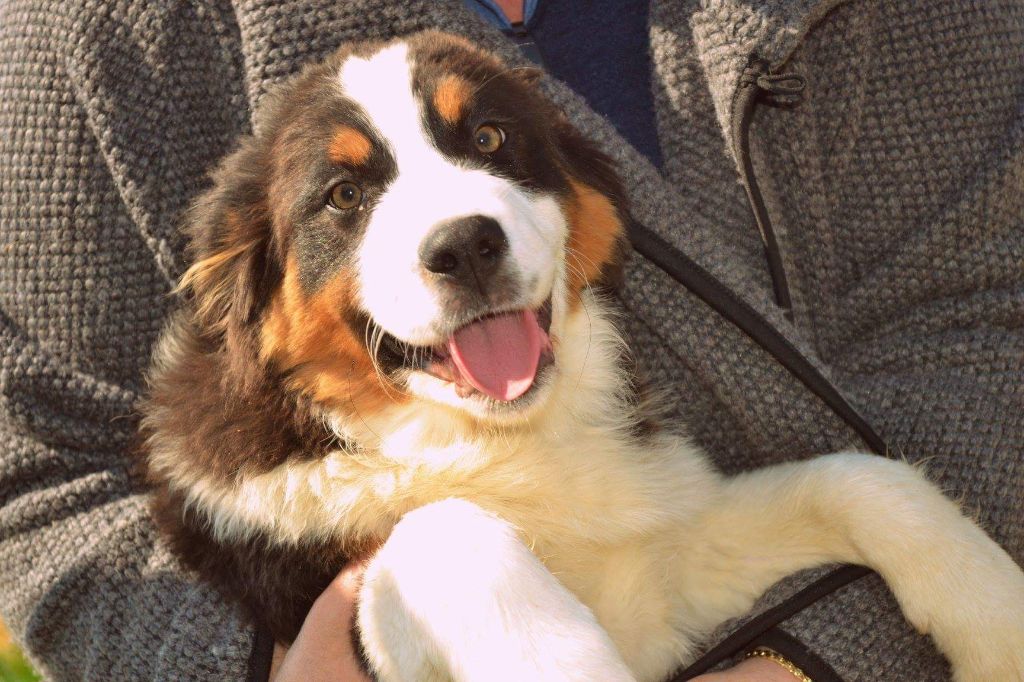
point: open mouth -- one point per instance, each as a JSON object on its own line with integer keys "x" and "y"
{"x": 498, "y": 356}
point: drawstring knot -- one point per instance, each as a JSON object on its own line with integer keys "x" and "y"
{"x": 784, "y": 89}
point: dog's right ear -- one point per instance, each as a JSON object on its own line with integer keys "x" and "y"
{"x": 231, "y": 245}
{"x": 598, "y": 210}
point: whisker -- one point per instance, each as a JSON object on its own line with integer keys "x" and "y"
{"x": 498, "y": 75}
{"x": 574, "y": 265}
{"x": 590, "y": 338}
{"x": 374, "y": 337}
{"x": 355, "y": 410}
{"x": 580, "y": 258}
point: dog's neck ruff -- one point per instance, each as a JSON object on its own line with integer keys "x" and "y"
{"x": 412, "y": 454}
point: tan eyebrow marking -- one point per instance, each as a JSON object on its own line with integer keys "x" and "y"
{"x": 450, "y": 97}
{"x": 350, "y": 146}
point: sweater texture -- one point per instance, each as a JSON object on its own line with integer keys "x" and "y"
{"x": 896, "y": 189}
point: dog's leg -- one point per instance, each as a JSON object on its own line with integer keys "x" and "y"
{"x": 951, "y": 579}
{"x": 455, "y": 594}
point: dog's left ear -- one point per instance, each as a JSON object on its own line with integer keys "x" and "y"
{"x": 598, "y": 211}
{"x": 231, "y": 244}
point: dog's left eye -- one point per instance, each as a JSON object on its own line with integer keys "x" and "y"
{"x": 488, "y": 139}
{"x": 345, "y": 195}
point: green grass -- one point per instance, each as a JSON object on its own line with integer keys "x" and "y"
{"x": 14, "y": 668}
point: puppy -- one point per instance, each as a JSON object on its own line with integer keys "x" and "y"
{"x": 397, "y": 348}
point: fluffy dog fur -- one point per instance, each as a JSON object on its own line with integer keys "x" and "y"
{"x": 304, "y": 411}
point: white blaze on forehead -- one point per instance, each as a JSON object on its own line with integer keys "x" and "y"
{"x": 382, "y": 85}
{"x": 430, "y": 190}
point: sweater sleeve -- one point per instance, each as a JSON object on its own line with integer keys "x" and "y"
{"x": 87, "y": 586}
{"x": 86, "y": 260}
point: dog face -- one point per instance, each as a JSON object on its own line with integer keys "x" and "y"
{"x": 413, "y": 221}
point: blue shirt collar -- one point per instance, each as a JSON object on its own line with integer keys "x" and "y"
{"x": 489, "y": 10}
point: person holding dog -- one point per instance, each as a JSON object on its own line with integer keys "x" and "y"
{"x": 852, "y": 170}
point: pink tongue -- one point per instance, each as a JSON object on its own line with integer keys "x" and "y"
{"x": 498, "y": 355}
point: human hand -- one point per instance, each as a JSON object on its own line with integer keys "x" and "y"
{"x": 319, "y": 654}
{"x": 323, "y": 651}
{"x": 750, "y": 670}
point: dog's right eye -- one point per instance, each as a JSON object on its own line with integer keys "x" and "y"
{"x": 345, "y": 196}
{"x": 488, "y": 138}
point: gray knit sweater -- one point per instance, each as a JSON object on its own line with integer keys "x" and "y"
{"x": 895, "y": 189}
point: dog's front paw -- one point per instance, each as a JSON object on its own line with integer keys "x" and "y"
{"x": 455, "y": 594}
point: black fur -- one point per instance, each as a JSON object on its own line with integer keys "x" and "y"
{"x": 275, "y": 583}
{"x": 233, "y": 411}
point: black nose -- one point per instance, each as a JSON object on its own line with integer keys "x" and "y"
{"x": 468, "y": 250}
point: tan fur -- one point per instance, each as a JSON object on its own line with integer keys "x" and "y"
{"x": 210, "y": 278}
{"x": 679, "y": 549}
{"x": 307, "y": 336}
{"x": 349, "y": 146}
{"x": 451, "y": 98}
{"x": 594, "y": 230}
{"x": 557, "y": 544}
